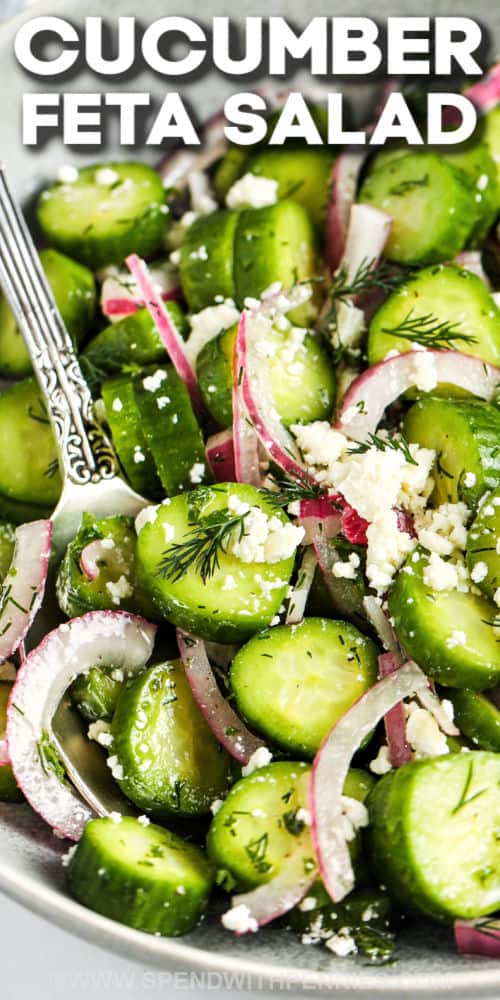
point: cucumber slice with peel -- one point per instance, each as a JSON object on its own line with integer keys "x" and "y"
{"x": 170, "y": 763}
{"x": 127, "y": 432}
{"x": 434, "y": 834}
{"x": 292, "y": 682}
{"x": 95, "y": 694}
{"x": 483, "y": 545}
{"x": 302, "y": 174}
{"x": 207, "y": 267}
{"x": 143, "y": 876}
{"x": 477, "y": 716}
{"x": 25, "y": 432}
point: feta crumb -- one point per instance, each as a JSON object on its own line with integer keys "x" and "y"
{"x": 105, "y": 177}
{"x": 479, "y": 572}
{"x": 307, "y": 904}
{"x": 264, "y": 538}
{"x": 240, "y": 920}
{"x": 354, "y": 816}
{"x": 229, "y": 583}
{"x": 197, "y": 472}
{"x": 303, "y": 816}
{"x": 207, "y": 324}
{"x": 100, "y": 732}
{"x": 145, "y": 516}
{"x": 116, "y": 770}
{"x": 470, "y": 480}
{"x": 423, "y": 733}
{"x": 320, "y": 444}
{"x": 153, "y": 382}
{"x": 342, "y": 944}
{"x": 457, "y": 638}
{"x": 67, "y": 174}
{"x": 162, "y": 402}
{"x": 144, "y": 820}
{"x": 424, "y": 371}
{"x": 381, "y": 764}
{"x": 251, "y": 191}
{"x": 260, "y": 758}
{"x": 215, "y": 806}
{"x": 66, "y": 858}
{"x": 347, "y": 570}
{"x": 117, "y": 405}
{"x": 120, "y": 590}
{"x": 441, "y": 575}
{"x": 115, "y": 817}
{"x": 443, "y": 530}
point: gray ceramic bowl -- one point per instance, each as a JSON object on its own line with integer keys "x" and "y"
{"x": 30, "y": 866}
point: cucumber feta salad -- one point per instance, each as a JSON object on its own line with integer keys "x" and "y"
{"x": 290, "y": 662}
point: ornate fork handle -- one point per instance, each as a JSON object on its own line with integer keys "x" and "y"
{"x": 85, "y": 452}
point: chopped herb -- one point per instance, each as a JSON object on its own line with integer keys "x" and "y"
{"x": 428, "y": 331}
{"x": 202, "y": 547}
{"x": 48, "y": 757}
{"x": 464, "y": 800}
{"x": 294, "y": 825}
{"x": 409, "y": 185}
{"x": 368, "y": 276}
{"x": 256, "y": 851}
{"x": 384, "y": 444}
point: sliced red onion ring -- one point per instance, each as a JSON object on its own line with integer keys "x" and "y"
{"x": 280, "y": 895}
{"x": 429, "y": 700}
{"x": 367, "y": 235}
{"x": 228, "y": 728}
{"x": 175, "y": 168}
{"x": 319, "y": 517}
{"x": 120, "y": 295}
{"x": 395, "y": 720}
{"x": 89, "y": 558}
{"x": 24, "y": 584}
{"x": 219, "y": 453}
{"x": 343, "y": 187}
{"x": 354, "y": 527}
{"x": 300, "y": 593}
{"x": 172, "y": 340}
{"x": 486, "y": 93}
{"x": 383, "y": 627}
{"x": 478, "y": 937}
{"x": 369, "y": 396}
{"x": 100, "y": 638}
{"x": 330, "y": 769}
{"x": 245, "y": 440}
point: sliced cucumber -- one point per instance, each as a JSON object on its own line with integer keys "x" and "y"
{"x": 171, "y": 763}
{"x": 170, "y": 428}
{"x": 25, "y": 433}
{"x": 207, "y": 259}
{"x": 9, "y": 792}
{"x": 73, "y": 287}
{"x": 483, "y": 545}
{"x": 130, "y": 344}
{"x": 442, "y": 294}
{"x": 143, "y": 876}
{"x": 229, "y": 169}
{"x": 431, "y": 205}
{"x": 112, "y": 210}
{"x": 434, "y": 834}
{"x": 302, "y": 376}
{"x": 257, "y": 826}
{"x": 115, "y": 586}
{"x": 291, "y": 683}
{"x": 465, "y": 437}
{"x": 238, "y": 598}
{"x": 95, "y": 694}
{"x": 7, "y": 543}
{"x": 476, "y": 163}
{"x": 302, "y": 174}
{"x": 492, "y": 136}
{"x": 126, "y": 426}
{"x": 450, "y": 634}
{"x": 342, "y": 597}
{"x": 19, "y": 512}
{"x": 365, "y": 915}
{"x": 477, "y": 717}
{"x": 274, "y": 244}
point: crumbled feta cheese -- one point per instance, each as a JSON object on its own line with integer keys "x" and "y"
{"x": 443, "y": 530}
{"x": 215, "y": 806}
{"x": 457, "y": 638}
{"x": 162, "y": 402}
{"x": 347, "y": 570}
{"x": 168, "y": 531}
{"x": 117, "y": 405}
{"x": 240, "y": 920}
{"x": 67, "y": 174}
{"x": 197, "y": 472}
{"x": 66, "y": 858}
{"x": 424, "y": 373}
{"x": 479, "y": 572}
{"x": 153, "y": 382}
{"x": 120, "y": 590}
{"x": 423, "y": 733}
{"x": 381, "y": 764}
{"x": 442, "y": 575}
{"x": 139, "y": 455}
{"x": 107, "y": 543}
{"x": 105, "y": 177}
{"x": 251, "y": 191}
{"x": 116, "y": 770}
{"x": 354, "y": 816}
{"x": 342, "y": 944}
{"x": 303, "y": 816}
{"x": 387, "y": 549}
{"x": 145, "y": 516}
{"x": 470, "y": 480}
{"x": 264, "y": 539}
{"x": 144, "y": 820}
{"x": 260, "y": 758}
{"x": 320, "y": 444}
{"x": 307, "y": 904}
{"x": 229, "y": 583}
{"x": 115, "y": 817}
{"x": 206, "y": 324}
{"x": 100, "y": 731}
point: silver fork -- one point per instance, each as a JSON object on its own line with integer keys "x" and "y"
{"x": 91, "y": 482}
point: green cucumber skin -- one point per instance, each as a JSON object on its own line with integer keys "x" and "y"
{"x": 475, "y": 162}
{"x": 95, "y": 695}
{"x": 400, "y": 834}
{"x": 299, "y": 398}
{"x": 465, "y": 436}
{"x": 421, "y": 619}
{"x": 206, "y": 266}
{"x": 120, "y": 222}
{"x": 295, "y": 701}
{"x": 129, "y": 344}
{"x": 127, "y": 434}
{"x": 19, "y": 512}
{"x": 450, "y": 294}
{"x": 171, "y": 430}
{"x": 7, "y": 544}
{"x": 341, "y": 598}
{"x": 405, "y": 187}
{"x": 164, "y": 889}
{"x": 274, "y": 244}
{"x": 74, "y": 291}
{"x": 302, "y": 174}
{"x": 9, "y": 792}
{"x": 482, "y": 541}
{"x": 205, "y": 609}
{"x": 25, "y": 432}
{"x": 172, "y": 764}
{"x": 477, "y": 717}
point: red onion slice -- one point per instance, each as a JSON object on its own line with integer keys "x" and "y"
{"x": 100, "y": 638}
{"x": 219, "y": 452}
{"x": 172, "y": 340}
{"x": 369, "y": 396}
{"x": 343, "y": 186}
{"x": 319, "y": 517}
{"x": 300, "y": 593}
{"x": 367, "y": 235}
{"x": 228, "y": 728}
{"x": 485, "y": 94}
{"x": 383, "y": 627}
{"x": 245, "y": 440}
{"x": 280, "y": 895}
{"x": 331, "y": 765}
{"x": 395, "y": 719}
{"x": 24, "y": 584}
{"x": 175, "y": 168}
{"x": 478, "y": 937}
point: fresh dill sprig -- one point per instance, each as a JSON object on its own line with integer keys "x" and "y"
{"x": 369, "y": 276}
{"x": 429, "y": 331}
{"x": 291, "y": 490}
{"x": 202, "y": 546}
{"x": 384, "y": 444}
